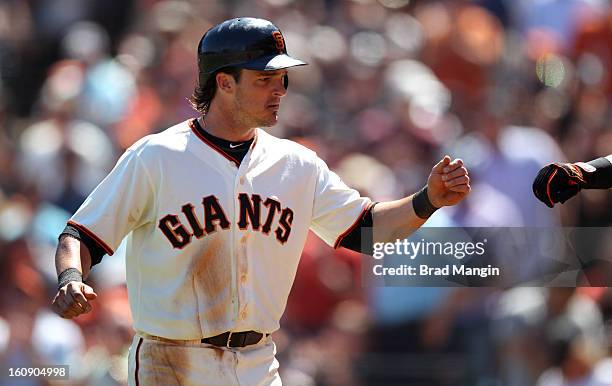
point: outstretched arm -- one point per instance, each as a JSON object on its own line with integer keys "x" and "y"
{"x": 72, "y": 263}
{"x": 447, "y": 185}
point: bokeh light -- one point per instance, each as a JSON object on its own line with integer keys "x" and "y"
{"x": 394, "y": 4}
{"x": 368, "y": 47}
{"x": 327, "y": 44}
{"x": 405, "y": 31}
{"x": 550, "y": 70}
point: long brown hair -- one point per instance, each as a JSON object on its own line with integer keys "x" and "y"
{"x": 203, "y": 95}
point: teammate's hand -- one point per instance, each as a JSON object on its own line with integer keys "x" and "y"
{"x": 558, "y": 182}
{"x": 448, "y": 182}
{"x": 73, "y": 299}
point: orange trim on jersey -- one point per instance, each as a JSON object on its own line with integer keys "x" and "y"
{"x": 89, "y": 233}
{"x": 192, "y": 125}
{"x": 350, "y": 229}
{"x": 548, "y": 187}
{"x": 137, "y": 361}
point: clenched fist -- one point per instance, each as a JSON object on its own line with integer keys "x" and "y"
{"x": 448, "y": 182}
{"x": 559, "y": 182}
{"x": 73, "y": 299}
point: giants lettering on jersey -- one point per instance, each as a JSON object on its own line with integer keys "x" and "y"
{"x": 253, "y": 211}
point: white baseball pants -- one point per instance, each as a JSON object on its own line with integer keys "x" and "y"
{"x": 153, "y": 362}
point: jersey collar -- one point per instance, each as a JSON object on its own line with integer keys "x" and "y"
{"x": 195, "y": 127}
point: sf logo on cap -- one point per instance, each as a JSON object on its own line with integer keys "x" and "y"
{"x": 280, "y": 42}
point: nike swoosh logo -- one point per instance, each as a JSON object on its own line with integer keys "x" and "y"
{"x": 232, "y": 146}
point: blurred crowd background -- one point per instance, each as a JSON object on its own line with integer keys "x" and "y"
{"x": 392, "y": 85}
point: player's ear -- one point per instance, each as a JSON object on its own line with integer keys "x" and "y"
{"x": 226, "y": 82}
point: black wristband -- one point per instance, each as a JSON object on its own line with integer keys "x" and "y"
{"x": 421, "y": 204}
{"x": 68, "y": 275}
{"x": 601, "y": 177}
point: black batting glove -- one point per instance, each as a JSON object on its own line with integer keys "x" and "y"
{"x": 558, "y": 182}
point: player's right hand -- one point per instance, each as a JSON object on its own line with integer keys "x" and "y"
{"x": 73, "y": 299}
{"x": 558, "y": 182}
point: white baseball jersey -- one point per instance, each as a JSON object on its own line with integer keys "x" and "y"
{"x": 214, "y": 244}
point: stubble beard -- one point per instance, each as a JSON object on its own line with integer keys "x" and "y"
{"x": 245, "y": 119}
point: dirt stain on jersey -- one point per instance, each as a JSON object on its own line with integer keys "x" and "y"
{"x": 243, "y": 270}
{"x": 243, "y": 261}
{"x": 244, "y": 238}
{"x": 211, "y": 272}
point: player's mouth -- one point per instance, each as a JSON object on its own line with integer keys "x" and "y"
{"x": 274, "y": 107}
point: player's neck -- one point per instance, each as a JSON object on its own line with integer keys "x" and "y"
{"x": 223, "y": 126}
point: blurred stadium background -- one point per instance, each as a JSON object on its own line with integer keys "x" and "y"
{"x": 391, "y": 86}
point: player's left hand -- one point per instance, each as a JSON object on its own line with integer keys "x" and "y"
{"x": 448, "y": 183}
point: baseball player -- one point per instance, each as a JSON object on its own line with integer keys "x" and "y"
{"x": 216, "y": 212}
{"x": 559, "y": 182}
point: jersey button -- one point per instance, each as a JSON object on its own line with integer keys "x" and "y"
{"x": 243, "y": 277}
{"x": 242, "y": 180}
